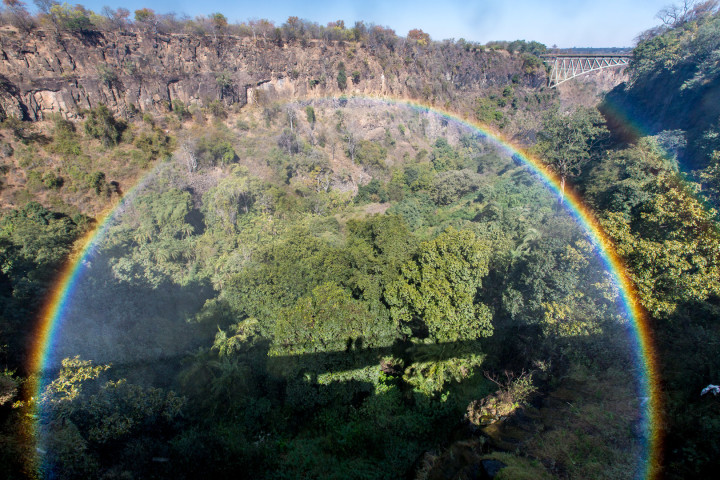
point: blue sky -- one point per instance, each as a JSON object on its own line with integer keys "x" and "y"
{"x": 567, "y": 23}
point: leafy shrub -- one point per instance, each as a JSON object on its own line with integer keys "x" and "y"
{"x": 96, "y": 181}
{"x": 52, "y": 181}
{"x": 486, "y": 111}
{"x": 370, "y": 153}
{"x": 374, "y": 191}
{"x": 449, "y": 186}
{"x": 341, "y": 77}
{"x": 310, "y": 114}
{"x": 101, "y": 124}
{"x": 154, "y": 144}
{"x": 217, "y": 109}
{"x": 214, "y": 150}
{"x": 65, "y": 141}
{"x": 180, "y": 110}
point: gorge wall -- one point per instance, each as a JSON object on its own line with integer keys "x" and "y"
{"x": 45, "y": 72}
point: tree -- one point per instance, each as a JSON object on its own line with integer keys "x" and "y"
{"x": 686, "y": 11}
{"x": 147, "y": 17}
{"x": 74, "y": 19}
{"x": 219, "y": 22}
{"x": 310, "y": 114}
{"x": 225, "y": 82}
{"x": 44, "y": 6}
{"x": 234, "y": 194}
{"x": 341, "y": 76}
{"x": 567, "y": 139}
{"x": 101, "y": 124}
{"x": 437, "y": 289}
{"x": 34, "y": 242}
{"x": 422, "y": 38}
{"x": 670, "y": 243}
{"x": 117, "y": 19}
{"x": 19, "y": 16}
{"x": 144, "y": 15}
{"x": 263, "y": 27}
{"x": 324, "y": 321}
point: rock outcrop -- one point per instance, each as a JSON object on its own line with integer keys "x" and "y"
{"x": 44, "y": 72}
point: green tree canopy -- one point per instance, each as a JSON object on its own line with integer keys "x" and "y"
{"x": 437, "y": 289}
{"x": 101, "y": 124}
{"x": 567, "y": 139}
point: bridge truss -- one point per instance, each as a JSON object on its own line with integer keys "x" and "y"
{"x": 564, "y": 67}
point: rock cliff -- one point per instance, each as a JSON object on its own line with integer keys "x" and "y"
{"x": 43, "y": 72}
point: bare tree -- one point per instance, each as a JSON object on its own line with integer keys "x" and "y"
{"x": 686, "y": 11}
{"x": 292, "y": 117}
{"x": 187, "y": 150}
{"x": 19, "y": 17}
{"x": 352, "y": 141}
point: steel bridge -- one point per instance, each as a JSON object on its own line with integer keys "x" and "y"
{"x": 565, "y": 66}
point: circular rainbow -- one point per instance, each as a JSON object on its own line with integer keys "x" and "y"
{"x": 56, "y": 305}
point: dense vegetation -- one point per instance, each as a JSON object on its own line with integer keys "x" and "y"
{"x": 669, "y": 214}
{"x": 340, "y": 289}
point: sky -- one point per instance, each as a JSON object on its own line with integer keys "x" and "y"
{"x": 565, "y": 23}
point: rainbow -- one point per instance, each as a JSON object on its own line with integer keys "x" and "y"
{"x": 52, "y": 314}
{"x": 67, "y": 281}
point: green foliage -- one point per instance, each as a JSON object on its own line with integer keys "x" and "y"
{"x": 215, "y": 149}
{"x": 438, "y": 288}
{"x": 370, "y": 154}
{"x": 419, "y": 176}
{"x": 310, "y": 114}
{"x": 245, "y": 335}
{"x": 235, "y": 194}
{"x": 334, "y": 340}
{"x": 437, "y": 365}
{"x": 120, "y": 410}
{"x": 531, "y": 48}
{"x": 101, "y": 124}
{"x": 65, "y": 141}
{"x": 670, "y": 242}
{"x": 96, "y": 181}
{"x": 80, "y": 423}
{"x": 486, "y": 111}
{"x": 531, "y": 64}
{"x": 326, "y": 320}
{"x": 144, "y": 15}
{"x": 180, "y": 110}
{"x": 52, "y": 181}
{"x": 449, "y": 186}
{"x": 74, "y": 19}
{"x": 217, "y": 109}
{"x": 444, "y": 156}
{"x": 341, "y": 77}
{"x": 68, "y": 384}
{"x": 373, "y": 191}
{"x": 163, "y": 239}
{"x": 566, "y": 140}
{"x": 154, "y": 144}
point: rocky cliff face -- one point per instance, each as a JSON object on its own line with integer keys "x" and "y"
{"x": 44, "y": 73}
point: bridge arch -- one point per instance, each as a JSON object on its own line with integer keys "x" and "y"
{"x": 564, "y": 67}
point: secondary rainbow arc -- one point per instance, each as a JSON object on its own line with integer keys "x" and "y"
{"x": 51, "y": 315}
